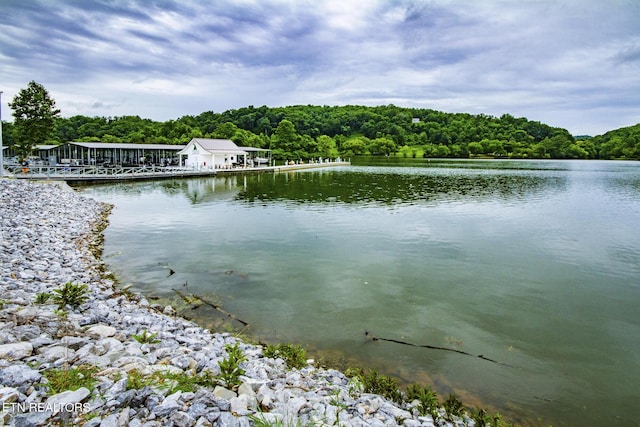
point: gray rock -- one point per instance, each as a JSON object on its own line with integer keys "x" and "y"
{"x": 182, "y": 419}
{"x": 295, "y": 404}
{"x": 26, "y": 332}
{"x": 197, "y": 410}
{"x": 41, "y": 341}
{"x": 32, "y": 419}
{"x": 123, "y": 418}
{"x": 102, "y": 331}
{"x": 169, "y": 405}
{"x": 109, "y": 421}
{"x": 116, "y": 390}
{"x": 67, "y": 399}
{"x": 74, "y": 342}
{"x": 19, "y": 376}
{"x": 224, "y": 393}
{"x": 56, "y": 352}
{"x": 140, "y": 396}
{"x": 16, "y": 351}
{"x": 93, "y": 422}
{"x": 8, "y": 395}
{"x": 228, "y": 420}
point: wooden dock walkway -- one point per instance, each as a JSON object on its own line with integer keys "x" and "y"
{"x": 98, "y": 173}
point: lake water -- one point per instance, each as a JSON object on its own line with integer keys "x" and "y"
{"x": 534, "y": 264}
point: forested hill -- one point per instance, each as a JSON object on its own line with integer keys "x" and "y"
{"x": 306, "y": 131}
{"x": 619, "y": 143}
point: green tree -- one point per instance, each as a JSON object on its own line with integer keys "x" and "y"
{"x": 384, "y": 146}
{"x": 225, "y": 130}
{"x": 34, "y": 113}
{"x": 327, "y": 147}
{"x": 286, "y": 140}
{"x": 442, "y": 151}
{"x": 354, "y": 146}
{"x": 475, "y": 148}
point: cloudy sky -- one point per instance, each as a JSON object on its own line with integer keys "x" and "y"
{"x": 568, "y": 63}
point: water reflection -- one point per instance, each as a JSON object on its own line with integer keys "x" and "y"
{"x": 393, "y": 187}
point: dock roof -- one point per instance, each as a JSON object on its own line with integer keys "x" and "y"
{"x": 127, "y": 146}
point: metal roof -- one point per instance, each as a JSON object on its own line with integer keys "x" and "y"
{"x": 213, "y": 146}
{"x": 226, "y": 145}
{"x": 253, "y": 149}
{"x": 128, "y": 146}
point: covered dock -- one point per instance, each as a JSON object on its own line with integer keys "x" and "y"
{"x": 110, "y": 154}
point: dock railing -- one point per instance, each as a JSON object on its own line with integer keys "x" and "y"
{"x": 98, "y": 173}
{"x": 94, "y": 172}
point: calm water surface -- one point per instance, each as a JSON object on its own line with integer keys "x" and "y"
{"x": 535, "y": 264}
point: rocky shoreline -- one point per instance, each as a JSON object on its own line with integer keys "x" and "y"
{"x": 137, "y": 353}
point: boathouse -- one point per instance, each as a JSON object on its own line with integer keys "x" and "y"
{"x": 107, "y": 153}
{"x": 103, "y": 154}
{"x": 202, "y": 153}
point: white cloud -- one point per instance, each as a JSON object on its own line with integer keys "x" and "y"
{"x": 569, "y": 63}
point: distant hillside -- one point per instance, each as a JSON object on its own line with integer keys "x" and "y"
{"x": 623, "y": 143}
{"x": 306, "y": 131}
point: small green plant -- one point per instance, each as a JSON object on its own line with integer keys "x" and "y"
{"x": 43, "y": 297}
{"x": 230, "y": 370}
{"x": 34, "y": 364}
{"x": 372, "y": 382}
{"x": 335, "y": 401}
{"x": 355, "y": 387}
{"x": 483, "y": 418}
{"x": 181, "y": 381}
{"x": 146, "y": 338}
{"x": 2, "y": 302}
{"x": 453, "y": 406}
{"x": 293, "y": 355}
{"x": 137, "y": 380}
{"x": 72, "y": 294}
{"x": 262, "y": 421}
{"x": 71, "y": 378}
{"x": 175, "y": 381}
{"x": 427, "y": 398}
{"x": 61, "y": 313}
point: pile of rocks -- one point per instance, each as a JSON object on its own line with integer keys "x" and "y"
{"x": 47, "y": 239}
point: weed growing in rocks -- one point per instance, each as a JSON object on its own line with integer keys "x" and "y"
{"x": 170, "y": 381}
{"x": 453, "y": 406}
{"x": 64, "y": 379}
{"x": 72, "y": 294}
{"x": 137, "y": 380}
{"x": 262, "y": 421}
{"x": 427, "y": 398}
{"x": 43, "y": 297}
{"x": 184, "y": 381}
{"x": 372, "y": 382}
{"x": 293, "y": 355}
{"x": 483, "y": 418}
{"x": 62, "y": 314}
{"x": 146, "y": 338}
{"x": 230, "y": 370}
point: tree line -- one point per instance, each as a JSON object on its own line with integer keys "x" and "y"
{"x": 308, "y": 131}
{"x": 623, "y": 143}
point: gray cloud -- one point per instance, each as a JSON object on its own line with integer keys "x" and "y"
{"x": 568, "y": 63}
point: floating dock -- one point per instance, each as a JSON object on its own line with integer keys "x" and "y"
{"x": 99, "y": 173}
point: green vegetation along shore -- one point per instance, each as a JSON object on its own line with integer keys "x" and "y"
{"x": 308, "y": 131}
